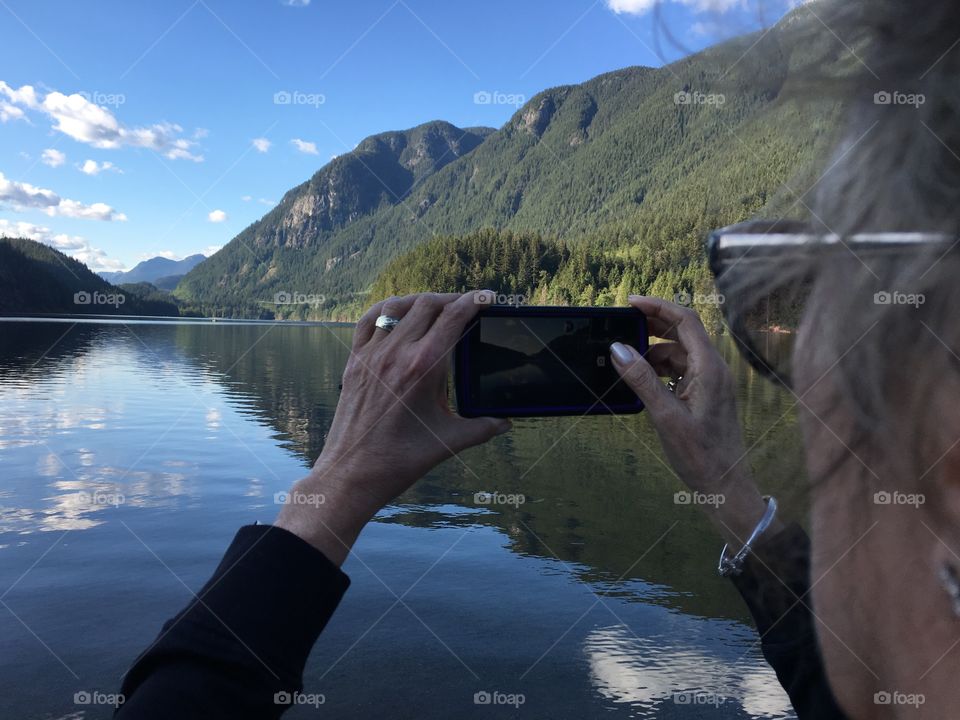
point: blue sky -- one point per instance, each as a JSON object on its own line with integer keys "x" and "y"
{"x": 135, "y": 129}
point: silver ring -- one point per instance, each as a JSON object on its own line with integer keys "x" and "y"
{"x": 385, "y": 322}
{"x": 674, "y": 383}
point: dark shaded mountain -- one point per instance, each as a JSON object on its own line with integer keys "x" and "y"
{"x": 167, "y": 282}
{"x": 640, "y": 162}
{"x": 39, "y": 279}
{"x": 155, "y": 269}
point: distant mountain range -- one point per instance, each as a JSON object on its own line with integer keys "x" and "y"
{"x": 640, "y": 162}
{"x": 159, "y": 271}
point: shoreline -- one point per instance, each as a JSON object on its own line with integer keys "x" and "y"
{"x": 165, "y": 319}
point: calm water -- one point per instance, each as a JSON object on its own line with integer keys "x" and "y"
{"x": 130, "y": 454}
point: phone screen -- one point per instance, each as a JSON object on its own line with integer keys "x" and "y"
{"x": 546, "y": 361}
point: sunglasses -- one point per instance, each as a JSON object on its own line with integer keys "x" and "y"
{"x": 760, "y": 293}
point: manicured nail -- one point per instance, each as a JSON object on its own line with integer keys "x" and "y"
{"x": 485, "y": 297}
{"x": 621, "y": 353}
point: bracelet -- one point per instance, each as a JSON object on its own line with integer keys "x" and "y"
{"x": 734, "y": 565}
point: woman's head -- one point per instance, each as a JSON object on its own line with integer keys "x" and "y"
{"x": 877, "y": 385}
{"x": 877, "y": 368}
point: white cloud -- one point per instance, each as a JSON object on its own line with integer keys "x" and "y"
{"x": 178, "y": 149}
{"x": 52, "y": 157}
{"x": 701, "y": 29}
{"x": 210, "y": 250}
{"x": 168, "y": 254}
{"x": 74, "y": 246}
{"x": 96, "y": 211}
{"x": 92, "y": 167}
{"x": 9, "y": 111}
{"x": 296, "y": 3}
{"x": 26, "y": 195}
{"x": 20, "y": 196}
{"x": 633, "y": 7}
{"x": 25, "y": 96}
{"x": 261, "y": 144}
{"x": 247, "y": 198}
{"x": 265, "y": 201}
{"x": 303, "y": 146}
{"x": 92, "y": 124}
{"x": 639, "y": 7}
{"x": 217, "y": 216}
{"x": 24, "y": 230}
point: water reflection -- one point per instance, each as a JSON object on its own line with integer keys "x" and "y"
{"x": 177, "y": 428}
{"x": 651, "y": 671}
{"x": 597, "y": 490}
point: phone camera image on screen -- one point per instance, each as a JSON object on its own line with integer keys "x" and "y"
{"x": 546, "y": 361}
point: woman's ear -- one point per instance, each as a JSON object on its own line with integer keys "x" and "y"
{"x": 940, "y": 512}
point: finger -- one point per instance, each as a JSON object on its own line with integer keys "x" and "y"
{"x": 453, "y": 321}
{"x": 426, "y": 308}
{"x": 365, "y": 326}
{"x": 642, "y": 379}
{"x": 667, "y": 320}
{"x": 669, "y": 359}
{"x": 395, "y": 307}
{"x": 467, "y": 432}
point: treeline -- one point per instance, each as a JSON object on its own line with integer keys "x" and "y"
{"x": 545, "y": 271}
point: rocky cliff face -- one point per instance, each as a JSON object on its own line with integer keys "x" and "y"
{"x": 381, "y": 171}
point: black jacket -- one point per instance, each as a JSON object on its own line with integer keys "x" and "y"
{"x": 775, "y": 584}
{"x": 238, "y": 650}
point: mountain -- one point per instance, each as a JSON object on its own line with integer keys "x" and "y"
{"x": 156, "y": 270}
{"x": 38, "y": 279}
{"x": 381, "y": 171}
{"x": 641, "y": 162}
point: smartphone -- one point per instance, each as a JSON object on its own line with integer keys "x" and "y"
{"x": 536, "y": 361}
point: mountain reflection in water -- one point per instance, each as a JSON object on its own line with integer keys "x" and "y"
{"x": 131, "y": 452}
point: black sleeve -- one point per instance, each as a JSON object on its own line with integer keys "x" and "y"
{"x": 238, "y": 649}
{"x": 775, "y": 585}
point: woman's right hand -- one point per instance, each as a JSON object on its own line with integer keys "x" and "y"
{"x": 697, "y": 422}
{"x": 393, "y": 422}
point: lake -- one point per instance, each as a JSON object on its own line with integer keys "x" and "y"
{"x": 130, "y": 452}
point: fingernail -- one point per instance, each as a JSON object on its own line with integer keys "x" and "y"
{"x": 635, "y": 297}
{"x": 484, "y": 297}
{"x": 621, "y": 353}
{"x": 505, "y": 427}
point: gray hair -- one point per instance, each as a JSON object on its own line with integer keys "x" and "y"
{"x": 896, "y": 168}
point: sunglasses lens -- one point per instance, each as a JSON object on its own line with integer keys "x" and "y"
{"x": 762, "y": 314}
{"x": 765, "y": 340}
{"x": 763, "y": 301}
